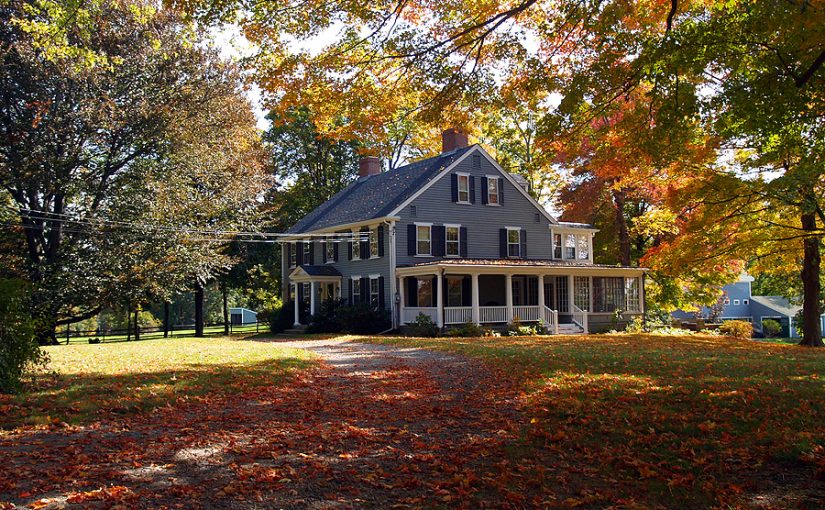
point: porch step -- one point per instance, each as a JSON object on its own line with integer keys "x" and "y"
{"x": 570, "y": 329}
{"x": 293, "y": 331}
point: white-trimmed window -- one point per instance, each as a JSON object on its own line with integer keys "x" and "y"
{"x": 463, "y": 188}
{"x": 293, "y": 255}
{"x": 373, "y": 243}
{"x": 513, "y": 242}
{"x": 570, "y": 246}
{"x": 452, "y": 240}
{"x": 735, "y": 302}
{"x": 356, "y": 289}
{"x": 557, "y": 247}
{"x": 581, "y": 292}
{"x": 632, "y": 294}
{"x": 727, "y": 301}
{"x": 455, "y": 287}
{"x": 375, "y": 292}
{"x": 356, "y": 245}
{"x": 306, "y": 292}
{"x": 492, "y": 190}
{"x": 425, "y": 292}
{"x": 307, "y": 258}
{"x": 423, "y": 244}
{"x": 330, "y": 249}
{"x": 583, "y": 247}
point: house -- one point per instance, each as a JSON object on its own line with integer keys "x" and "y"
{"x": 242, "y": 316}
{"x": 459, "y": 239}
{"x": 738, "y": 303}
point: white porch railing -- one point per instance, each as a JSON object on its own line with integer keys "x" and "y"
{"x": 458, "y": 314}
{"x": 579, "y": 317}
{"x": 527, "y": 313}
{"x": 492, "y": 313}
{"x": 410, "y": 313}
{"x": 551, "y": 320}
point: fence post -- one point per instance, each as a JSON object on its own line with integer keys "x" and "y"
{"x": 68, "y": 333}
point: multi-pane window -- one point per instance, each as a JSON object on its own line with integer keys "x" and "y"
{"x": 356, "y": 245}
{"x": 375, "y": 293}
{"x": 451, "y": 238}
{"x": 570, "y": 246}
{"x": 581, "y": 292}
{"x": 583, "y": 248}
{"x": 425, "y": 292}
{"x": 307, "y": 253}
{"x": 557, "y": 246}
{"x": 463, "y": 188}
{"x": 306, "y": 292}
{"x": 373, "y": 243}
{"x": 609, "y": 294}
{"x": 293, "y": 255}
{"x": 356, "y": 290}
{"x": 633, "y": 294}
{"x": 423, "y": 240}
{"x": 513, "y": 242}
{"x": 330, "y": 249}
{"x": 454, "y": 291}
{"x": 492, "y": 190}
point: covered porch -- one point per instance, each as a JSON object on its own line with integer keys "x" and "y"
{"x": 310, "y": 286}
{"x": 500, "y": 292}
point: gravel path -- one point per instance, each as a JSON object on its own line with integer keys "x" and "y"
{"x": 373, "y": 427}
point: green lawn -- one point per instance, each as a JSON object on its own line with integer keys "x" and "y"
{"x": 178, "y": 333}
{"x": 84, "y": 383}
{"x": 699, "y": 419}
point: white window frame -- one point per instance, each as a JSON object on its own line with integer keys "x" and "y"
{"x": 518, "y": 244}
{"x": 373, "y": 242}
{"x": 355, "y": 249}
{"x": 293, "y": 254}
{"x": 450, "y": 282}
{"x": 429, "y": 227}
{"x": 582, "y": 239}
{"x": 458, "y": 186}
{"x": 559, "y": 246}
{"x": 355, "y": 283}
{"x": 329, "y": 254}
{"x": 727, "y": 301}
{"x": 490, "y": 194}
{"x": 736, "y": 302}
{"x": 447, "y": 241}
{"x": 566, "y": 239}
{"x": 307, "y": 254}
{"x": 377, "y": 294}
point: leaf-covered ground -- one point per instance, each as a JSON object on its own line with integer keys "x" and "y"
{"x": 566, "y": 422}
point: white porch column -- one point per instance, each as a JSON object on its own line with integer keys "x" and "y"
{"x": 295, "y": 300}
{"x": 508, "y": 292}
{"x": 402, "y": 298}
{"x": 313, "y": 291}
{"x": 571, "y": 293}
{"x": 439, "y": 301}
{"x": 541, "y": 296}
{"x": 474, "y": 286}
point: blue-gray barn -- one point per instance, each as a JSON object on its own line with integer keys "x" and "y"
{"x": 459, "y": 239}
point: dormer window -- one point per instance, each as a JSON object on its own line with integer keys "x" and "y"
{"x": 557, "y": 247}
{"x": 570, "y": 247}
{"x": 492, "y": 190}
{"x": 584, "y": 247}
{"x": 463, "y": 189}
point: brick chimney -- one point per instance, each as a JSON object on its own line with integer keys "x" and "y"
{"x": 369, "y": 165}
{"x": 452, "y": 139}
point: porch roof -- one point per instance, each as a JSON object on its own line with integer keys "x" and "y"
{"x": 518, "y": 266}
{"x": 315, "y": 273}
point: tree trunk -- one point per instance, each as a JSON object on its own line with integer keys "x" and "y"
{"x": 225, "y": 311}
{"x": 621, "y": 227}
{"x": 199, "y": 310}
{"x": 128, "y": 324}
{"x": 137, "y": 325}
{"x": 811, "y": 331}
{"x": 166, "y": 319}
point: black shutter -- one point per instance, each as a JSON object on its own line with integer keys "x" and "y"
{"x": 365, "y": 243}
{"x": 311, "y": 252}
{"x": 349, "y": 291}
{"x": 438, "y": 238}
{"x": 381, "y": 240}
{"x": 412, "y": 291}
{"x": 472, "y": 189}
{"x": 365, "y": 290}
{"x": 500, "y": 191}
{"x": 523, "y": 239}
{"x": 335, "y": 249}
{"x": 288, "y": 254}
{"x": 462, "y": 236}
{"x": 381, "y": 303}
{"x": 324, "y": 251}
{"x": 502, "y": 242}
{"x": 466, "y": 289}
{"x": 349, "y": 248}
{"x": 300, "y": 294}
{"x": 412, "y": 240}
{"x": 484, "y": 190}
{"x": 454, "y": 186}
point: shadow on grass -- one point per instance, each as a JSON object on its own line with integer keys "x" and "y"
{"x": 81, "y": 399}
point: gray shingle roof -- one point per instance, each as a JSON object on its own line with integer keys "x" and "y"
{"x": 520, "y": 262}
{"x": 377, "y": 195}
{"x": 777, "y": 303}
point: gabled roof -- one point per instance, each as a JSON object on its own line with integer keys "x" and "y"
{"x": 377, "y": 195}
{"x": 778, "y": 304}
{"x": 320, "y": 270}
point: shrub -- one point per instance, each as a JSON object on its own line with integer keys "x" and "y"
{"x": 327, "y": 319}
{"x": 737, "y": 329}
{"x": 19, "y": 352}
{"x": 467, "y": 330}
{"x": 423, "y": 325}
{"x": 362, "y": 319}
{"x": 280, "y": 319}
{"x": 635, "y": 325}
{"x": 771, "y": 328}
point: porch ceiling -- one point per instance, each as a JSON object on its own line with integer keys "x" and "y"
{"x": 514, "y": 266}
